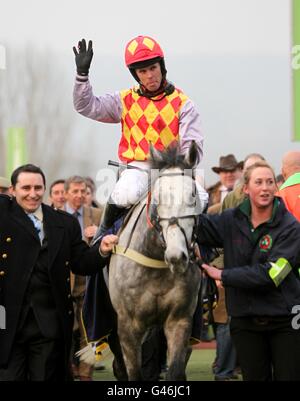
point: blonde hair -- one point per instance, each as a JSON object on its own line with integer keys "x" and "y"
{"x": 250, "y": 169}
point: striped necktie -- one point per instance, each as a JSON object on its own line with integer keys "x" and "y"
{"x": 37, "y": 225}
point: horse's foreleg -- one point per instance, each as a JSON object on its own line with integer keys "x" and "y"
{"x": 119, "y": 368}
{"x": 177, "y": 334}
{"x": 131, "y": 340}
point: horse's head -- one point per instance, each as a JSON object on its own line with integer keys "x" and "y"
{"x": 175, "y": 204}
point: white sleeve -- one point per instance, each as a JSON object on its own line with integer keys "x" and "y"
{"x": 190, "y": 128}
{"x": 106, "y": 108}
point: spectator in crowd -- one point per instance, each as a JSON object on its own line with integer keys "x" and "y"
{"x": 279, "y": 180}
{"x": 57, "y": 194}
{"x": 4, "y": 185}
{"x": 90, "y": 199}
{"x": 89, "y": 220}
{"x": 38, "y": 246}
{"x": 290, "y": 190}
{"x": 237, "y": 195}
{"x": 261, "y": 279}
{"x": 229, "y": 171}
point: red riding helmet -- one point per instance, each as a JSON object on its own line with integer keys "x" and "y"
{"x": 141, "y": 52}
{"x": 141, "y": 49}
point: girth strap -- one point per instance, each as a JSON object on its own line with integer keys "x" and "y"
{"x": 139, "y": 258}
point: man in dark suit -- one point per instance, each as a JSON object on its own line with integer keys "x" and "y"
{"x": 89, "y": 220}
{"x": 38, "y": 248}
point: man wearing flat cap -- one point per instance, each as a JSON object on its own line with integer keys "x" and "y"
{"x": 4, "y": 185}
{"x": 229, "y": 171}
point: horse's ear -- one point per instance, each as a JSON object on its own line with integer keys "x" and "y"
{"x": 192, "y": 156}
{"x": 155, "y": 154}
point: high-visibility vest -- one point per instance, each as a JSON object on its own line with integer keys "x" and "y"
{"x": 146, "y": 121}
{"x": 290, "y": 193}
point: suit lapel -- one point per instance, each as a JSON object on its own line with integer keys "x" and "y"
{"x": 54, "y": 232}
{"x": 87, "y": 218}
{"x": 22, "y": 219}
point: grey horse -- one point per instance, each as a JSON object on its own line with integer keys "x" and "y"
{"x": 151, "y": 278}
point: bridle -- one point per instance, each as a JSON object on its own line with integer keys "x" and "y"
{"x": 154, "y": 220}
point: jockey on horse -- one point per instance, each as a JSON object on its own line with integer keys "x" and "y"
{"x": 153, "y": 112}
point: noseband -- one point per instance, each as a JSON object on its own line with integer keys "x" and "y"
{"x": 154, "y": 221}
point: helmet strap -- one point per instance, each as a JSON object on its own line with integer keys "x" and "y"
{"x": 166, "y": 88}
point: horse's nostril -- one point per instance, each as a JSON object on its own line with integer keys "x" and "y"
{"x": 180, "y": 259}
{"x": 184, "y": 257}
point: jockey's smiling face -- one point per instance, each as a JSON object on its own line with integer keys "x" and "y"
{"x": 150, "y": 77}
{"x": 29, "y": 191}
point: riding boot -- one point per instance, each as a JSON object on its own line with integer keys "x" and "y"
{"x": 111, "y": 214}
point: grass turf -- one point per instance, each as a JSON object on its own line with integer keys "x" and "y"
{"x": 198, "y": 369}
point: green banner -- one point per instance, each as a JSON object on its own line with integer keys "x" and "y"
{"x": 296, "y": 69}
{"x": 16, "y": 149}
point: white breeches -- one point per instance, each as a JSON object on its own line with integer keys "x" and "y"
{"x": 133, "y": 184}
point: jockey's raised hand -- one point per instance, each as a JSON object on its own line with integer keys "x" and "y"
{"x": 83, "y": 57}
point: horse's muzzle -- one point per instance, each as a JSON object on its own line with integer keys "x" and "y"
{"x": 177, "y": 264}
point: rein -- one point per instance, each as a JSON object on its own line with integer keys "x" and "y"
{"x": 139, "y": 257}
{"x": 153, "y": 222}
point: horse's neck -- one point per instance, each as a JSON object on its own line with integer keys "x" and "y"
{"x": 142, "y": 238}
{"x": 152, "y": 245}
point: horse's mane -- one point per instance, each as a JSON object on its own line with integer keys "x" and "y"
{"x": 171, "y": 157}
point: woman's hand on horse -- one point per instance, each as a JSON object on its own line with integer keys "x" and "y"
{"x": 107, "y": 244}
{"x": 212, "y": 272}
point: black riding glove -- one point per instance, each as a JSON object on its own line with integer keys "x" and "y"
{"x": 83, "y": 57}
